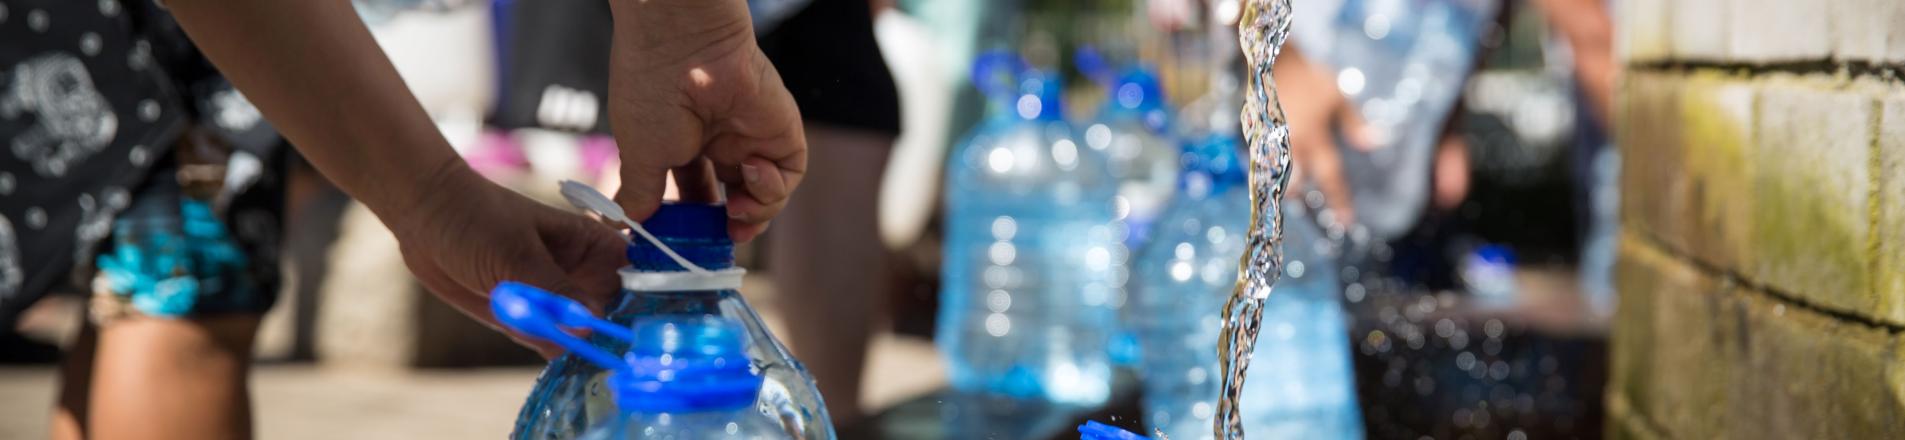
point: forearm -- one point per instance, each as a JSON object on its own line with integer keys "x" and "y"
{"x": 673, "y": 27}
{"x": 315, "y": 72}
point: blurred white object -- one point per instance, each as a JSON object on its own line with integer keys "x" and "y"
{"x": 445, "y": 57}
{"x": 926, "y": 92}
{"x": 553, "y": 155}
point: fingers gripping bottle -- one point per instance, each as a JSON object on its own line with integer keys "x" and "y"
{"x": 680, "y": 334}
{"x": 1030, "y": 249}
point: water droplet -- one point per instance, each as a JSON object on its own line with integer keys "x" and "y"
{"x": 1004, "y": 228}
{"x": 998, "y": 301}
{"x": 89, "y": 43}
{"x": 998, "y": 324}
{"x": 1002, "y": 253}
{"x": 35, "y": 217}
{"x": 149, "y": 110}
{"x": 37, "y": 20}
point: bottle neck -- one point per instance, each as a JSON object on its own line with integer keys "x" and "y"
{"x": 709, "y": 253}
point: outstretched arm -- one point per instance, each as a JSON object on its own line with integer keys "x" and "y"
{"x": 312, "y": 68}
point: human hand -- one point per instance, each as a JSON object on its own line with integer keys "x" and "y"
{"x": 1315, "y": 111}
{"x": 478, "y": 234}
{"x": 690, "y": 92}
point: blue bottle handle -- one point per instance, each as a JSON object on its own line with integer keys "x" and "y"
{"x": 1092, "y": 430}
{"x": 537, "y": 313}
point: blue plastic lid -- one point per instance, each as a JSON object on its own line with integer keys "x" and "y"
{"x": 699, "y": 232}
{"x": 1018, "y": 89}
{"x": 1092, "y": 430}
{"x": 1134, "y": 92}
{"x": 1496, "y": 254}
{"x": 1041, "y": 97}
{"x": 686, "y": 364}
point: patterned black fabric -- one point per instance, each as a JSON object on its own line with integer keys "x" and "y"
{"x": 95, "y": 95}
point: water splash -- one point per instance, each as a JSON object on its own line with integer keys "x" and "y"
{"x": 1261, "y": 31}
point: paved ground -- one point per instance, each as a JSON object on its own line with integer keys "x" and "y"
{"x": 297, "y": 401}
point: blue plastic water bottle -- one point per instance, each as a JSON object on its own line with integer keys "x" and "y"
{"x": 1027, "y": 291}
{"x": 1300, "y": 383}
{"x": 1133, "y": 132}
{"x": 577, "y": 393}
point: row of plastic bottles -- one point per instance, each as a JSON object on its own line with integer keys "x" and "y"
{"x": 1042, "y": 218}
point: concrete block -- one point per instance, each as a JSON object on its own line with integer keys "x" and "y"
{"x": 1699, "y": 29}
{"x": 1630, "y": 376}
{"x": 1809, "y": 375}
{"x": 1648, "y": 132}
{"x": 1679, "y": 376}
{"x": 1780, "y": 30}
{"x": 1640, "y": 29}
{"x": 1895, "y": 35}
{"x": 1890, "y": 284}
{"x": 1861, "y": 27}
{"x": 1716, "y": 118}
{"x": 1624, "y": 424}
{"x": 1811, "y": 175}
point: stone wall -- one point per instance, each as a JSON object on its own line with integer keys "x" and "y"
{"x": 1762, "y": 259}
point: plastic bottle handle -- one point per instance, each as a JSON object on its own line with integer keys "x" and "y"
{"x": 537, "y": 313}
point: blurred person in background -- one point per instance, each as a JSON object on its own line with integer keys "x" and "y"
{"x": 1317, "y": 110}
{"x": 89, "y": 108}
{"x": 825, "y": 253}
{"x": 135, "y": 172}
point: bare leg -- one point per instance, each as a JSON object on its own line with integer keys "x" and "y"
{"x": 827, "y": 259}
{"x": 76, "y": 379}
{"x": 172, "y": 378}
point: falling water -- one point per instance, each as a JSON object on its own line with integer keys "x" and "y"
{"x": 1263, "y": 27}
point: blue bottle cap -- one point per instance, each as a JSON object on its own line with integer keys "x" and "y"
{"x": 699, "y": 232}
{"x": 1092, "y": 430}
{"x": 1496, "y": 254}
{"x": 1139, "y": 93}
{"x": 1041, "y": 97}
{"x": 1134, "y": 92}
{"x": 686, "y": 364}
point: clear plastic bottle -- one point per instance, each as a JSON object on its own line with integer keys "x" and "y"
{"x": 1132, "y": 130}
{"x": 574, "y": 393}
{"x": 1027, "y": 286}
{"x": 1299, "y": 384}
{"x": 1403, "y": 64}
